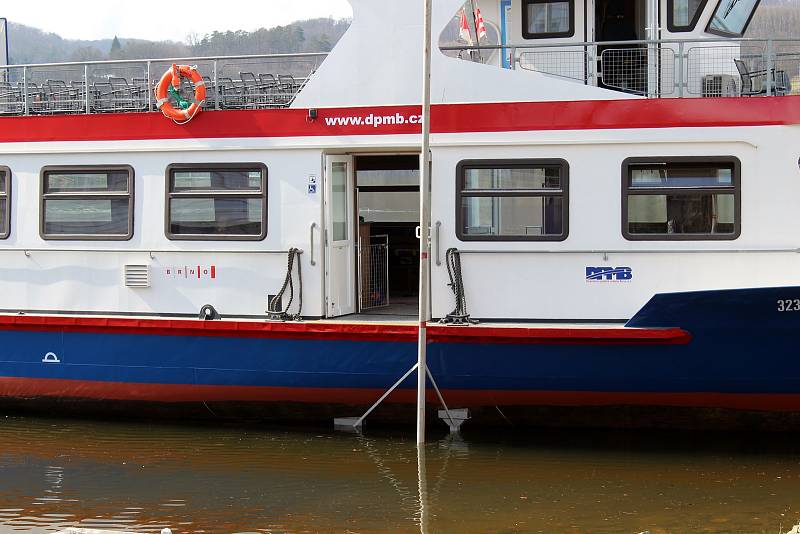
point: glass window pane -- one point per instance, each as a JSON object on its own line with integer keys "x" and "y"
{"x": 512, "y": 216}
{"x": 86, "y": 182}
{"x": 387, "y": 178}
{"x": 532, "y": 178}
{"x": 549, "y": 17}
{"x": 3, "y": 214}
{"x": 731, "y": 16}
{"x": 3, "y": 183}
{"x": 680, "y": 176}
{"x": 217, "y": 180}
{"x": 339, "y": 200}
{"x": 216, "y": 216}
{"x": 385, "y": 206}
{"x": 682, "y": 213}
{"x": 86, "y": 216}
{"x": 684, "y": 11}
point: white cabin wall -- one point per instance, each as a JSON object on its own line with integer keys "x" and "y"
{"x": 54, "y": 279}
{"x": 538, "y": 284}
{"x": 355, "y": 75}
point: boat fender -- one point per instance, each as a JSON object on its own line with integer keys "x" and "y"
{"x": 209, "y": 313}
{"x": 167, "y": 91}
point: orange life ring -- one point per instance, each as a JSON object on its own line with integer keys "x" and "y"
{"x": 173, "y": 77}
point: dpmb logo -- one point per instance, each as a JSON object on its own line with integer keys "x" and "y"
{"x": 609, "y": 274}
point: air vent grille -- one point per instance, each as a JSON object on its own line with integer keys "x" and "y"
{"x": 137, "y": 276}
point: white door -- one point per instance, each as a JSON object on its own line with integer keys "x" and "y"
{"x": 340, "y": 243}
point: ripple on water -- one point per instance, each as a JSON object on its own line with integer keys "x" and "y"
{"x": 194, "y": 479}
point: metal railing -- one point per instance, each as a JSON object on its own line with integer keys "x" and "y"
{"x": 669, "y": 68}
{"x": 373, "y": 267}
{"x": 232, "y": 82}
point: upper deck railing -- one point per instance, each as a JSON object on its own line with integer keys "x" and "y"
{"x": 232, "y": 82}
{"x": 670, "y": 68}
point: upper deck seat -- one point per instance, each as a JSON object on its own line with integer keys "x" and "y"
{"x": 61, "y": 98}
{"x": 754, "y": 83}
{"x": 230, "y": 93}
{"x": 252, "y": 95}
{"x": 211, "y": 93}
{"x": 288, "y": 88}
{"x": 269, "y": 86}
{"x": 11, "y": 100}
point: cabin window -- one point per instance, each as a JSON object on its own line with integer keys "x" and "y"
{"x": 87, "y": 203}
{"x": 545, "y": 19}
{"x": 681, "y": 199}
{"x": 732, "y": 17}
{"x": 512, "y": 200}
{"x": 217, "y": 201}
{"x": 5, "y": 204}
{"x": 682, "y": 15}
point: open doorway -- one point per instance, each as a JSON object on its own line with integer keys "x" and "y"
{"x": 623, "y": 66}
{"x": 387, "y": 257}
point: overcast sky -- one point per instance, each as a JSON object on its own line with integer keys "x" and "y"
{"x": 98, "y": 19}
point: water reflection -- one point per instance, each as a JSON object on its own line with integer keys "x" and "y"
{"x": 58, "y": 473}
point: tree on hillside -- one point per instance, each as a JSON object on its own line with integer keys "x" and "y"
{"x": 116, "y": 49}
{"x": 87, "y": 53}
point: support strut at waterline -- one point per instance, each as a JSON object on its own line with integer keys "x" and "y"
{"x": 453, "y": 418}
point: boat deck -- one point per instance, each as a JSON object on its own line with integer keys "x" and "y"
{"x": 366, "y": 327}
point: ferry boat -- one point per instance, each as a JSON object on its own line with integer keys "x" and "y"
{"x": 614, "y": 221}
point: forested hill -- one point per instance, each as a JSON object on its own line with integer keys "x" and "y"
{"x": 30, "y": 45}
{"x": 774, "y": 18}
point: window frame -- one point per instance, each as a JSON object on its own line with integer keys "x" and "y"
{"x": 511, "y": 164}
{"x": 67, "y": 169}
{"x": 548, "y": 35}
{"x": 673, "y": 28}
{"x": 727, "y": 34}
{"x": 7, "y": 196}
{"x": 736, "y": 175}
{"x": 169, "y": 195}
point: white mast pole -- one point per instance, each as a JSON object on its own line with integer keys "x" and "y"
{"x": 424, "y": 223}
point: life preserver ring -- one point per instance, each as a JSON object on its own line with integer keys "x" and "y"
{"x": 185, "y": 110}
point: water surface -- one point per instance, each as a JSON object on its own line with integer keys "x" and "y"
{"x": 56, "y": 473}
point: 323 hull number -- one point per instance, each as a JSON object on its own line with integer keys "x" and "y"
{"x": 789, "y": 305}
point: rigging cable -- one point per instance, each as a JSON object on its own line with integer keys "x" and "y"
{"x": 274, "y": 312}
{"x": 459, "y": 315}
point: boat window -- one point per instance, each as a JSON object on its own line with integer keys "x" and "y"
{"x": 682, "y": 15}
{"x": 544, "y": 19}
{"x": 217, "y": 201}
{"x": 731, "y": 17}
{"x": 512, "y": 200}
{"x": 5, "y": 204}
{"x": 87, "y": 203}
{"x": 681, "y": 199}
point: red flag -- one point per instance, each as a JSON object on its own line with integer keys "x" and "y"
{"x": 463, "y": 28}
{"x": 480, "y": 27}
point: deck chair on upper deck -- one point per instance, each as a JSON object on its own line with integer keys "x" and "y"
{"x": 754, "y": 83}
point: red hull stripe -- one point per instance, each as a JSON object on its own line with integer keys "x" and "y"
{"x": 445, "y": 118}
{"x": 172, "y": 393}
{"x": 346, "y": 331}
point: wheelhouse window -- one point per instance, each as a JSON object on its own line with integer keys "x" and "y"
{"x": 512, "y": 200}
{"x": 544, "y": 19}
{"x": 217, "y": 201}
{"x": 5, "y": 202}
{"x": 87, "y": 203}
{"x": 682, "y": 15}
{"x": 732, "y": 17}
{"x": 681, "y": 199}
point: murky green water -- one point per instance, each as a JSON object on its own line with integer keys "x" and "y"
{"x": 137, "y": 476}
